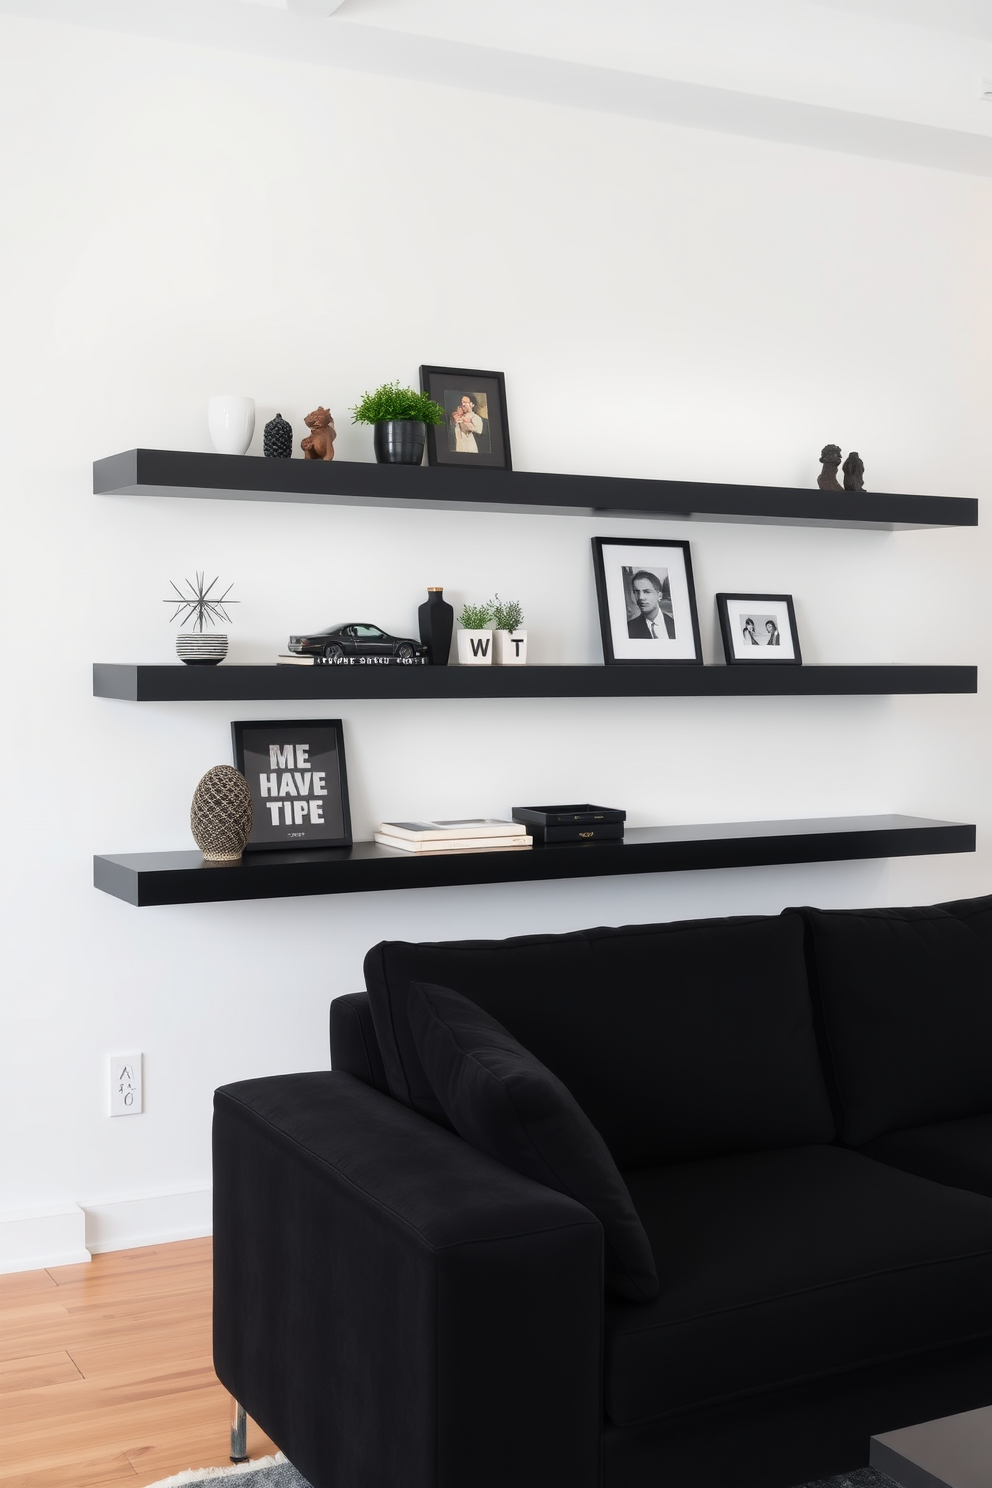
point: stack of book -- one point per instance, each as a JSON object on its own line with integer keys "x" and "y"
{"x": 299, "y": 660}
{"x": 468, "y": 834}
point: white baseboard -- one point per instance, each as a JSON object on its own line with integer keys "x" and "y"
{"x": 147, "y": 1219}
{"x": 51, "y": 1235}
{"x": 65, "y": 1234}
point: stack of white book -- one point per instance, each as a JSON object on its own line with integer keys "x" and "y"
{"x": 468, "y": 834}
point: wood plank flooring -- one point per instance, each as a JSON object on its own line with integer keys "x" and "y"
{"x": 106, "y": 1376}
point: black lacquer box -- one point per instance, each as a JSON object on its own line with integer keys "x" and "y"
{"x": 581, "y": 822}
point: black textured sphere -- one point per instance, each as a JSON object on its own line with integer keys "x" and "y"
{"x": 277, "y": 442}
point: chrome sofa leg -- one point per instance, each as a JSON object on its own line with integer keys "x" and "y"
{"x": 239, "y": 1432}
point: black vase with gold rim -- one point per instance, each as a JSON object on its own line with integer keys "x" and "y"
{"x": 436, "y": 621}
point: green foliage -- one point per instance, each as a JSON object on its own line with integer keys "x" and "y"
{"x": 507, "y": 613}
{"x": 394, "y": 402}
{"x": 500, "y": 614}
{"x": 476, "y": 617}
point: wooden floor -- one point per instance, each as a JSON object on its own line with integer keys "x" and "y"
{"x": 106, "y": 1375}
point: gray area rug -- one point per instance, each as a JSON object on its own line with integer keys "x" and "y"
{"x": 265, "y": 1472}
{"x": 276, "y": 1472}
{"x": 864, "y": 1477}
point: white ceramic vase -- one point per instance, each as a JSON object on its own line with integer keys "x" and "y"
{"x": 475, "y": 648}
{"x": 231, "y": 420}
{"x": 510, "y": 647}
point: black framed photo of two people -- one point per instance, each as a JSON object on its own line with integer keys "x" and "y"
{"x": 759, "y": 629}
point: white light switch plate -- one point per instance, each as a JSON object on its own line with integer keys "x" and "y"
{"x": 125, "y": 1084}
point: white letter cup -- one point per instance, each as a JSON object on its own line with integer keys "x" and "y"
{"x": 511, "y": 647}
{"x": 231, "y": 420}
{"x": 475, "y": 648}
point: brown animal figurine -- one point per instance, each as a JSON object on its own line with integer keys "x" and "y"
{"x": 319, "y": 445}
{"x": 830, "y": 460}
{"x": 854, "y": 472}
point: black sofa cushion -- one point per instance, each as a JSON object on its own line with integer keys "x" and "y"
{"x": 906, "y": 1002}
{"x": 506, "y": 1103}
{"x": 954, "y": 1152}
{"x": 975, "y": 913}
{"x": 788, "y": 1266}
{"x": 678, "y": 1040}
{"x": 354, "y": 1047}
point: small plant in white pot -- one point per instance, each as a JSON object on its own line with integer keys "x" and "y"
{"x": 509, "y": 641}
{"x": 475, "y": 639}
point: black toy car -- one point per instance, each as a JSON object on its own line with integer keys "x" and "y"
{"x": 341, "y": 641}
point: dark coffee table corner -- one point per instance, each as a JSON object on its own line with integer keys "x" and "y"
{"x": 951, "y": 1452}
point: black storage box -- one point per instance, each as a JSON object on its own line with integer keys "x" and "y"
{"x": 580, "y": 822}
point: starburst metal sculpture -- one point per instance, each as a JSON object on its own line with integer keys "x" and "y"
{"x": 197, "y": 605}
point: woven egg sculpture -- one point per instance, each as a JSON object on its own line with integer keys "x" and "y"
{"x": 220, "y": 814}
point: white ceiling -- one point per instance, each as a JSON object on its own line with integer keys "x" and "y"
{"x": 967, "y": 17}
{"x": 896, "y": 79}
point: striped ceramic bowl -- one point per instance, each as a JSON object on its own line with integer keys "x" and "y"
{"x": 201, "y": 650}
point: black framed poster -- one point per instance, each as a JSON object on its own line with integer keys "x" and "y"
{"x": 298, "y": 782}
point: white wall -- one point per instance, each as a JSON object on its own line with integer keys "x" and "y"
{"x": 663, "y": 302}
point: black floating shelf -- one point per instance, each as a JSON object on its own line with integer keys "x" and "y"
{"x": 143, "y": 472}
{"x": 225, "y": 683}
{"x": 184, "y": 878}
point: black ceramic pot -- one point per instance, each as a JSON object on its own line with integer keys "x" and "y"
{"x": 436, "y": 618}
{"x": 400, "y": 442}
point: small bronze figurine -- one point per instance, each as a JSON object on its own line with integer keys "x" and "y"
{"x": 830, "y": 460}
{"x": 319, "y": 444}
{"x": 854, "y": 472}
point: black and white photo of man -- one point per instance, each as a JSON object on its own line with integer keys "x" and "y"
{"x": 645, "y": 594}
{"x": 651, "y": 594}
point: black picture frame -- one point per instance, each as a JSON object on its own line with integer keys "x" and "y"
{"x": 653, "y": 566}
{"x": 756, "y": 615}
{"x": 313, "y": 811}
{"x": 490, "y": 434}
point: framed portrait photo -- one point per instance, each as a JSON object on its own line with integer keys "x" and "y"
{"x": 298, "y": 782}
{"x": 475, "y": 431}
{"x": 759, "y": 629}
{"x": 647, "y": 602}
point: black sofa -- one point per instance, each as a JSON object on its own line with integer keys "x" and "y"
{"x": 799, "y": 1110}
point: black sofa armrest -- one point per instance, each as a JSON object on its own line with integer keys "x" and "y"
{"x": 395, "y": 1308}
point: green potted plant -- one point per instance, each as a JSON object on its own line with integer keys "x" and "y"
{"x": 400, "y": 417}
{"x": 475, "y": 639}
{"x": 509, "y": 641}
